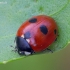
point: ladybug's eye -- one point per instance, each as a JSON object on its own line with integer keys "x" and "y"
{"x": 33, "y": 20}
{"x": 43, "y": 29}
{"x": 55, "y": 31}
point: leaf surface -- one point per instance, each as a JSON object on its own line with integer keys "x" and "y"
{"x": 14, "y": 12}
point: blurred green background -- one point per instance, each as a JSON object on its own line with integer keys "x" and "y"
{"x": 53, "y": 61}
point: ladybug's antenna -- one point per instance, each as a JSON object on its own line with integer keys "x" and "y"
{"x": 15, "y": 48}
{"x": 11, "y": 46}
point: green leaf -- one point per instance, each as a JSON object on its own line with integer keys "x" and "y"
{"x": 14, "y": 12}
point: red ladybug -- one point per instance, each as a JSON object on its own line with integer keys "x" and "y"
{"x": 36, "y": 34}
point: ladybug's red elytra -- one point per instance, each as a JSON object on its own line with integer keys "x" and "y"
{"x": 36, "y": 34}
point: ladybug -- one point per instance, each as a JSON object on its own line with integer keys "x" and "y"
{"x": 35, "y": 35}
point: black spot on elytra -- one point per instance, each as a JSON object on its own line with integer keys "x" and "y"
{"x": 33, "y": 20}
{"x": 55, "y": 31}
{"x": 43, "y": 29}
{"x": 27, "y": 35}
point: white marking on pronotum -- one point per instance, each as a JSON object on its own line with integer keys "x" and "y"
{"x": 27, "y": 53}
{"x": 22, "y": 36}
{"x": 20, "y": 52}
{"x": 28, "y": 40}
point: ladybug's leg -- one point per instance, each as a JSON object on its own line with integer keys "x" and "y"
{"x": 50, "y": 50}
{"x": 58, "y": 35}
{"x": 56, "y": 39}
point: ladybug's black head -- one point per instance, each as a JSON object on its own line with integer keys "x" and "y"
{"x": 23, "y": 46}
